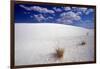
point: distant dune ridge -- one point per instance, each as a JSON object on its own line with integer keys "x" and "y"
{"x": 43, "y": 43}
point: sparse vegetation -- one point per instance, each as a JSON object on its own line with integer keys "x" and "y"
{"x": 83, "y": 43}
{"x": 60, "y": 53}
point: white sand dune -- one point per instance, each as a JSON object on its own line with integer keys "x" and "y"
{"x": 36, "y": 43}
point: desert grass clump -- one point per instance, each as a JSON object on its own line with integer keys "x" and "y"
{"x": 83, "y": 43}
{"x": 60, "y": 53}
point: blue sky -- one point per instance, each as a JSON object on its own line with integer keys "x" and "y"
{"x": 68, "y": 15}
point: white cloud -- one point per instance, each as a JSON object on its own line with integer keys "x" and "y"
{"x": 41, "y": 9}
{"x": 67, "y": 8}
{"x": 57, "y": 9}
{"x": 37, "y": 8}
{"x": 49, "y": 17}
{"x": 42, "y": 18}
{"x": 70, "y": 15}
{"x": 79, "y": 13}
{"x": 26, "y": 8}
{"x": 79, "y": 9}
{"x": 89, "y": 11}
{"x": 39, "y": 17}
{"x": 64, "y": 21}
{"x": 83, "y": 9}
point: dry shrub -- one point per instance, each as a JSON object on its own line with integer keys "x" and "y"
{"x": 83, "y": 43}
{"x": 60, "y": 53}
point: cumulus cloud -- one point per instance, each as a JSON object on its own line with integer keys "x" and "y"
{"x": 49, "y": 17}
{"x": 79, "y": 13}
{"x": 42, "y": 18}
{"x": 37, "y": 8}
{"x": 41, "y": 9}
{"x": 39, "y": 17}
{"x": 67, "y": 8}
{"x": 64, "y": 21}
{"x": 26, "y": 8}
{"x": 89, "y": 11}
{"x": 81, "y": 9}
{"x": 57, "y": 9}
{"x": 70, "y": 15}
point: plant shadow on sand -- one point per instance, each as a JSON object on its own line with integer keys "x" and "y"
{"x": 57, "y": 55}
